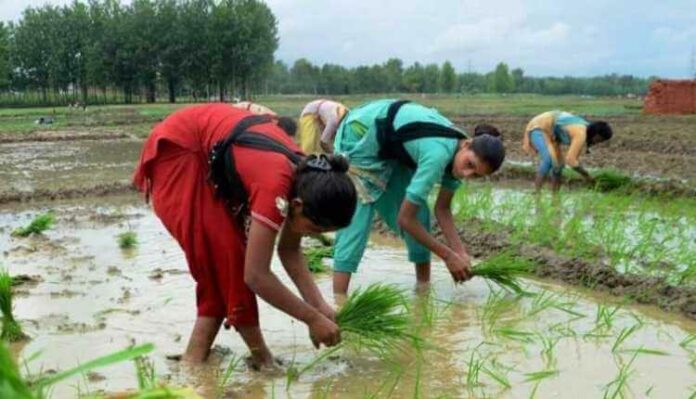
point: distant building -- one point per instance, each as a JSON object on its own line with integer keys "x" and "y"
{"x": 671, "y": 97}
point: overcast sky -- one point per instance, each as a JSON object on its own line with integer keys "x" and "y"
{"x": 544, "y": 37}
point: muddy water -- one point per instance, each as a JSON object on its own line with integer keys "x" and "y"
{"x": 95, "y": 298}
{"x": 26, "y": 167}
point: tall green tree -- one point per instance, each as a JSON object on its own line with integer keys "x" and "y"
{"x": 448, "y": 78}
{"x": 500, "y": 80}
{"x": 4, "y": 56}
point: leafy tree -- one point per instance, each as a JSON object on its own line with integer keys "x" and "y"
{"x": 448, "y": 78}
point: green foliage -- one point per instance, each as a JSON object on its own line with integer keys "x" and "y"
{"x": 127, "y": 240}
{"x": 11, "y": 330}
{"x": 38, "y": 225}
{"x": 315, "y": 258}
{"x": 376, "y": 318}
{"x": 505, "y": 269}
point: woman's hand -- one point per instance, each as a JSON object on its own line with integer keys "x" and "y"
{"x": 323, "y": 331}
{"x": 327, "y": 310}
{"x": 459, "y": 266}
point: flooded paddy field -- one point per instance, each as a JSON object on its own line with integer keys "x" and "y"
{"x": 88, "y": 297}
{"x": 613, "y": 313}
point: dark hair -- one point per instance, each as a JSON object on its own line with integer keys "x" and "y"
{"x": 485, "y": 128}
{"x": 489, "y": 149}
{"x": 288, "y": 124}
{"x": 328, "y": 195}
{"x": 599, "y": 128}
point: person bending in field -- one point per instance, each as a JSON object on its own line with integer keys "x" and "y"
{"x": 318, "y": 123}
{"x": 225, "y": 183}
{"x": 287, "y": 123}
{"x": 398, "y": 152}
{"x": 544, "y": 136}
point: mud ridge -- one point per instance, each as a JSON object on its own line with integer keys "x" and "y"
{"x": 100, "y": 190}
{"x": 43, "y": 137}
{"x": 662, "y": 187}
{"x": 648, "y": 290}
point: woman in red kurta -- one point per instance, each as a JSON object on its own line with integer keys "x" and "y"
{"x": 231, "y": 262}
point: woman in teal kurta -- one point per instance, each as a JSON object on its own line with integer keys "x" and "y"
{"x": 399, "y": 192}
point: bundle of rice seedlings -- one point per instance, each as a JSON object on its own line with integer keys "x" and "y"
{"x": 12, "y": 384}
{"x": 315, "y": 258}
{"x": 610, "y": 180}
{"x": 376, "y": 319}
{"x": 40, "y": 224}
{"x": 11, "y": 330}
{"x": 505, "y": 269}
{"x": 127, "y": 240}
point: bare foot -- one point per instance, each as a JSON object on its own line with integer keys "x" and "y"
{"x": 263, "y": 364}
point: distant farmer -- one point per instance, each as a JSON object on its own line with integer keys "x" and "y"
{"x": 399, "y": 151}
{"x": 254, "y": 108}
{"x": 318, "y": 123}
{"x": 546, "y": 133}
{"x": 225, "y": 183}
{"x": 287, "y": 123}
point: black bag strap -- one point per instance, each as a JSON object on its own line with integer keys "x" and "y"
{"x": 391, "y": 141}
{"x": 223, "y": 173}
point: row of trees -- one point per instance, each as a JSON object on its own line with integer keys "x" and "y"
{"x": 105, "y": 51}
{"x": 87, "y": 49}
{"x": 393, "y": 77}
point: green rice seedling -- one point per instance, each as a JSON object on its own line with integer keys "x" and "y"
{"x": 548, "y": 345}
{"x": 226, "y": 376}
{"x": 12, "y": 384}
{"x": 605, "y": 317}
{"x": 11, "y": 330}
{"x": 540, "y": 375}
{"x": 498, "y": 373}
{"x": 647, "y": 351}
{"x": 376, "y": 319}
{"x": 127, "y": 240}
{"x": 617, "y": 387}
{"x": 315, "y": 258}
{"x": 611, "y": 180}
{"x": 688, "y": 342}
{"x": 505, "y": 269}
{"x": 515, "y": 335}
{"x": 145, "y": 371}
{"x": 623, "y": 335}
{"x": 38, "y": 225}
{"x": 473, "y": 371}
{"x": 496, "y": 306}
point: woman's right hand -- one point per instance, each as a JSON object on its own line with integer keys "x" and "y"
{"x": 459, "y": 267}
{"x": 323, "y": 331}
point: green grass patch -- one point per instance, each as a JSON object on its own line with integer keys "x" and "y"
{"x": 38, "y": 225}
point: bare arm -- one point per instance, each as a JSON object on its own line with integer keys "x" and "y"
{"x": 259, "y": 277}
{"x": 443, "y": 214}
{"x": 295, "y": 264}
{"x": 458, "y": 267}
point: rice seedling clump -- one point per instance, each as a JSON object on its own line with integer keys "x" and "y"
{"x": 610, "y": 180}
{"x": 315, "y": 258}
{"x": 376, "y": 319}
{"x": 40, "y": 224}
{"x": 504, "y": 269}
{"x": 127, "y": 240}
{"x": 11, "y": 330}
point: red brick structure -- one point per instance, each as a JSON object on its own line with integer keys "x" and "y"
{"x": 671, "y": 97}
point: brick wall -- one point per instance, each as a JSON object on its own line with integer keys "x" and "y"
{"x": 671, "y": 97}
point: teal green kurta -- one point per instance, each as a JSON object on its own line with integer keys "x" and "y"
{"x": 383, "y": 184}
